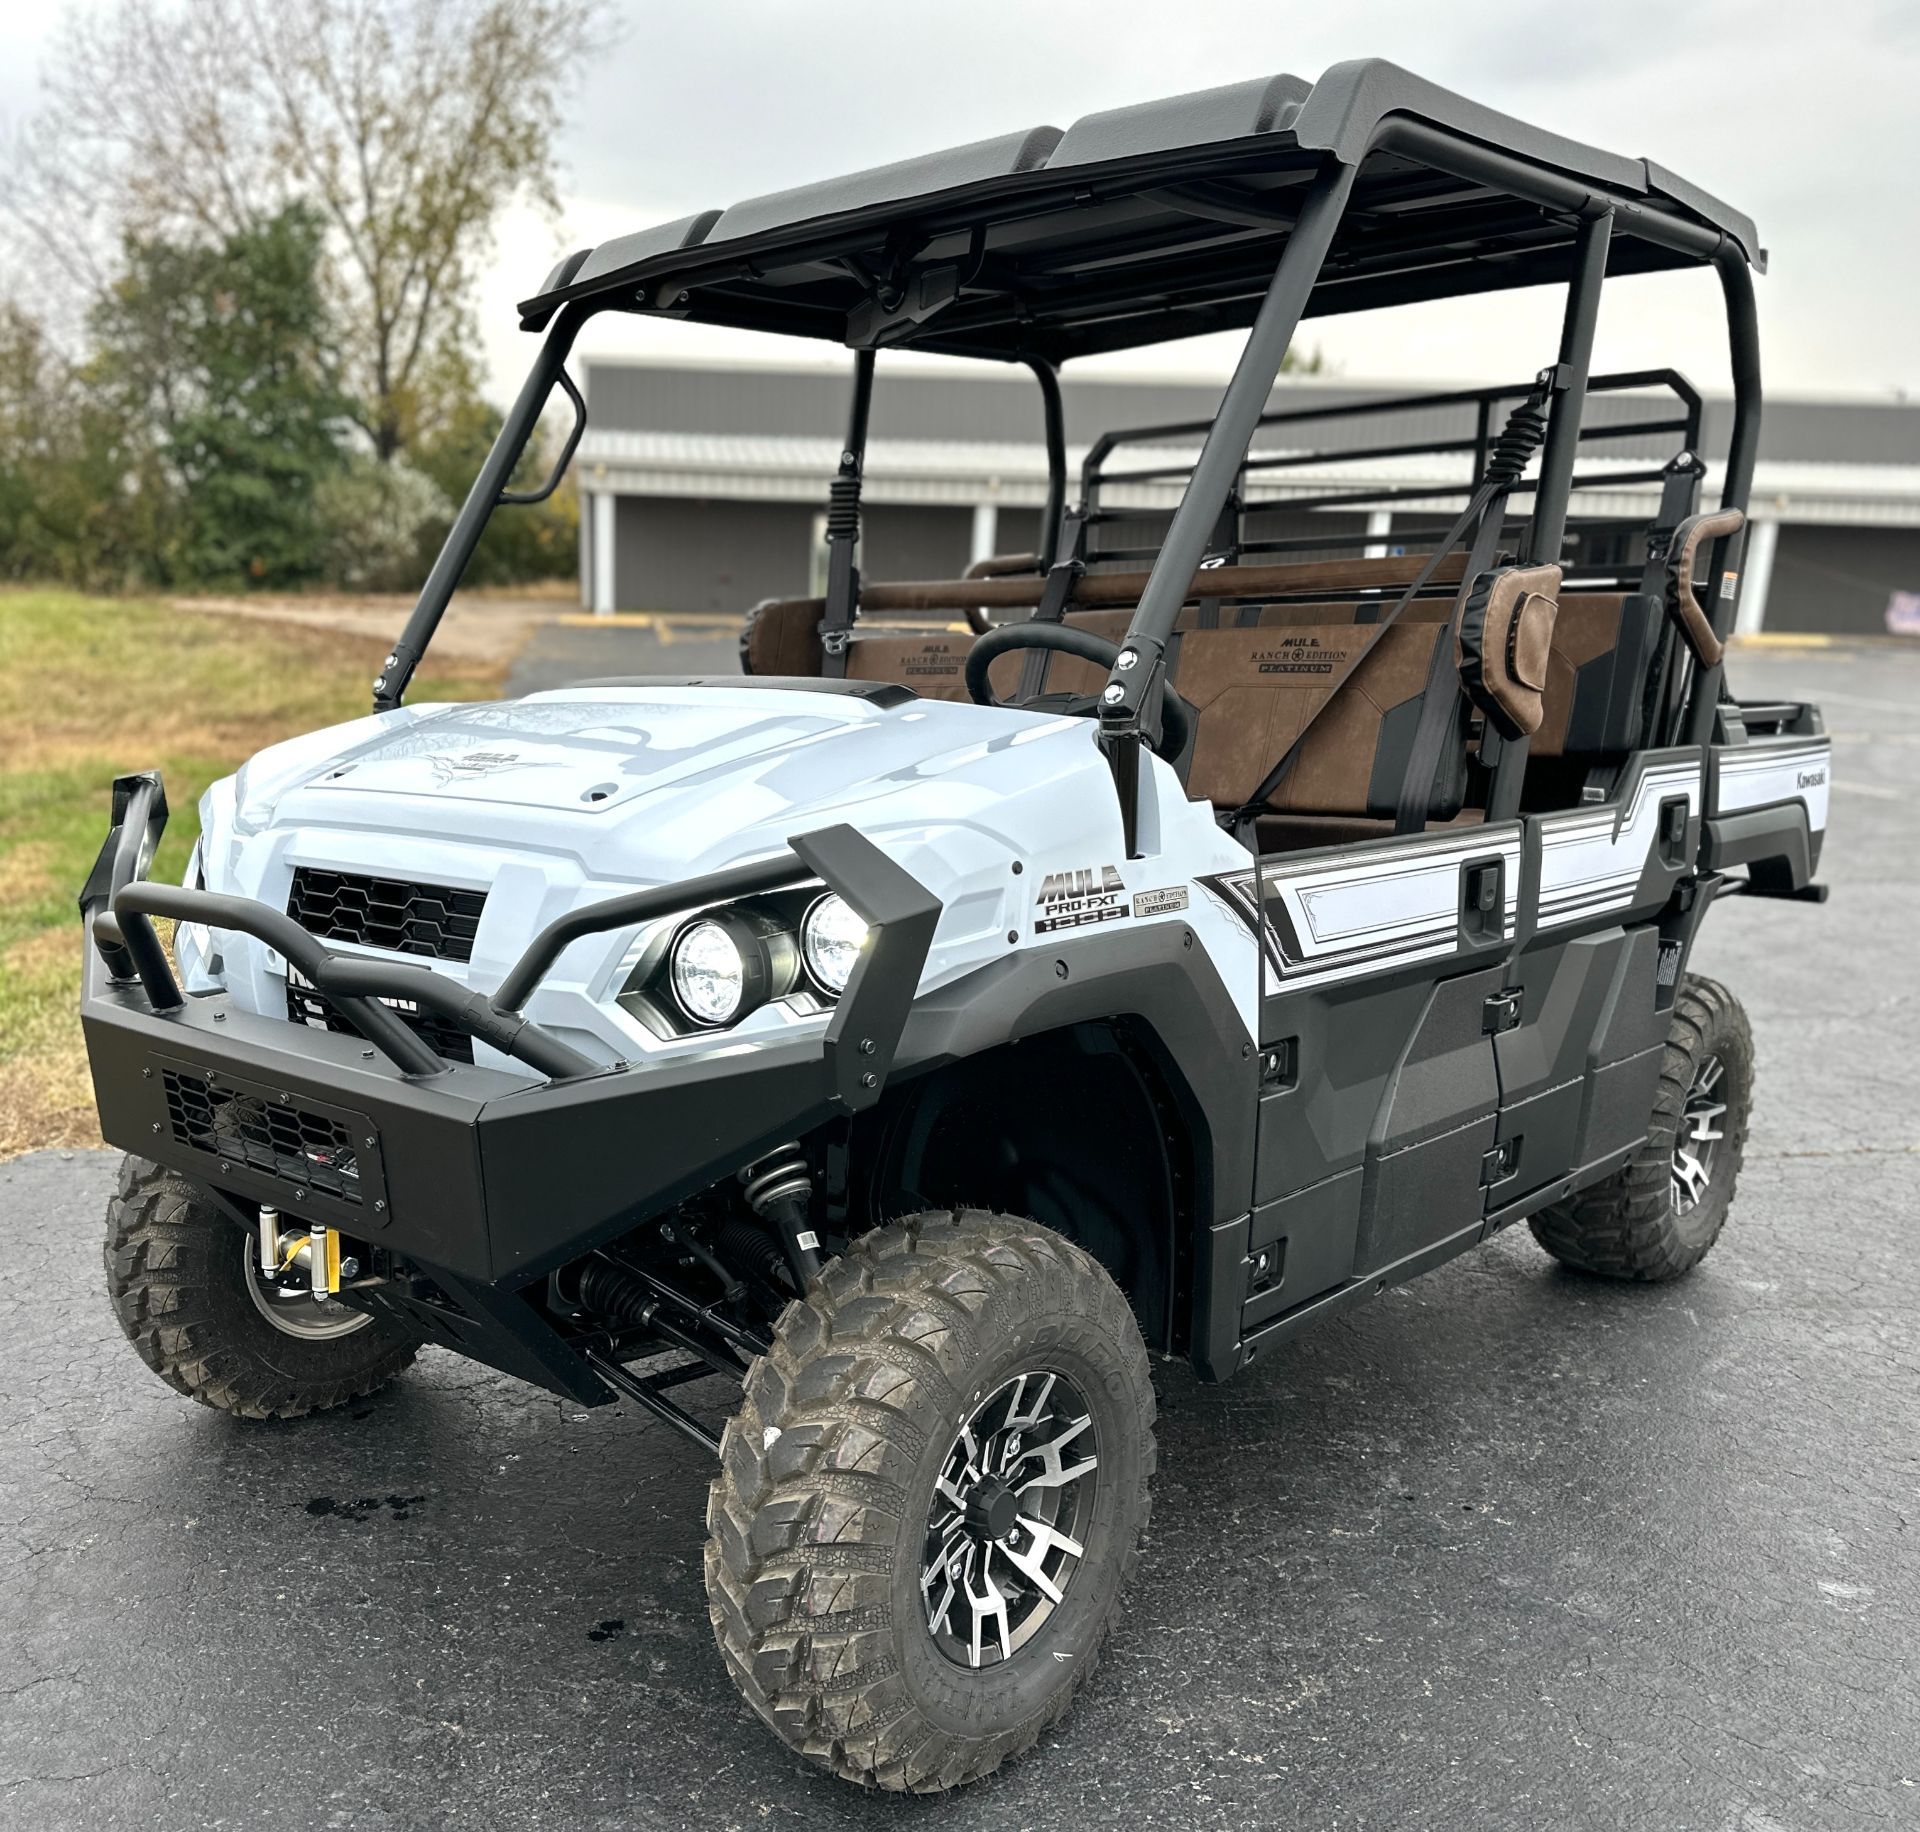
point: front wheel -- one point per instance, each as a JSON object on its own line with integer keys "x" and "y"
{"x": 183, "y": 1284}
{"x": 931, "y": 1499}
{"x": 1658, "y": 1216}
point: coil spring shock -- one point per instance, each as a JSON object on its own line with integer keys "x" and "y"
{"x": 843, "y": 507}
{"x": 779, "y": 1189}
{"x": 1519, "y": 439}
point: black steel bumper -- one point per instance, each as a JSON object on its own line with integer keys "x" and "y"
{"x": 471, "y": 1173}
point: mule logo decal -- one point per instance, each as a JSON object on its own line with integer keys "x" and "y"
{"x": 467, "y": 766}
{"x": 1072, "y": 899}
{"x": 1299, "y": 655}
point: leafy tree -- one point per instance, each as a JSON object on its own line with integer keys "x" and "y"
{"x": 407, "y": 126}
{"x": 379, "y": 524}
{"x": 77, "y": 501}
{"x": 221, "y": 354}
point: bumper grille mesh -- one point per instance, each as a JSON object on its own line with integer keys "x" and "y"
{"x": 280, "y": 1138}
{"x": 308, "y": 1005}
{"x": 396, "y": 914}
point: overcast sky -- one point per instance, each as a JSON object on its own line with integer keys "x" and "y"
{"x": 1806, "y": 116}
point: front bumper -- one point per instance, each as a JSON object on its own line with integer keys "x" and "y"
{"x": 480, "y": 1176}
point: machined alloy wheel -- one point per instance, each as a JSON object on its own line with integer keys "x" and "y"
{"x": 292, "y": 1311}
{"x": 1659, "y": 1215}
{"x": 186, "y": 1287}
{"x": 1695, "y": 1139}
{"x": 1016, "y": 1488}
{"x": 931, "y": 1499}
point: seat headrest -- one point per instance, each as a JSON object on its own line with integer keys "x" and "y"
{"x": 1506, "y": 637}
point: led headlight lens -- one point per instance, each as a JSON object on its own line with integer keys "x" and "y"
{"x": 831, "y": 937}
{"x": 709, "y": 973}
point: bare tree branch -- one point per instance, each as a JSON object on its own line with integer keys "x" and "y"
{"x": 408, "y": 125}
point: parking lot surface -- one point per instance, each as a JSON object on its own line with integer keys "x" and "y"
{"x": 1506, "y": 1548}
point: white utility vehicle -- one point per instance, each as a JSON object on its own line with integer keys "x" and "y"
{"x": 1154, "y": 943}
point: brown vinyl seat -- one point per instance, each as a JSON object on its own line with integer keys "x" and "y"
{"x": 1255, "y": 674}
{"x": 1603, "y": 647}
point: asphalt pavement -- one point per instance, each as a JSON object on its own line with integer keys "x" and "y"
{"x": 1507, "y": 1548}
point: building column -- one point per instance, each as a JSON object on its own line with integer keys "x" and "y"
{"x": 1379, "y": 526}
{"x": 986, "y": 532}
{"x": 586, "y": 548}
{"x": 602, "y": 502}
{"x": 1763, "y": 536}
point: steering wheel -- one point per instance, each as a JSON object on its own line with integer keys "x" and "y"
{"x": 1176, "y": 723}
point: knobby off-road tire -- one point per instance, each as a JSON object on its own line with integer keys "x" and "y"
{"x": 1644, "y": 1222}
{"x": 177, "y": 1272}
{"x": 819, "y": 1520}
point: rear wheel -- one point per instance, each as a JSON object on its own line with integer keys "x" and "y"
{"x": 184, "y": 1287}
{"x": 931, "y": 1498}
{"x": 1657, "y": 1217}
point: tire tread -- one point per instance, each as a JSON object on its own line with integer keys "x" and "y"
{"x": 1624, "y": 1226}
{"x": 800, "y": 1545}
{"x": 159, "y": 1248}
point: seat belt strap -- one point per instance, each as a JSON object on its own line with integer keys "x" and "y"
{"x": 1258, "y": 800}
{"x": 1440, "y": 701}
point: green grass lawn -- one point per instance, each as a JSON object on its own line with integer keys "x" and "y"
{"x": 91, "y": 688}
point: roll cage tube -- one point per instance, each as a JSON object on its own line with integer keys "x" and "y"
{"x": 1131, "y": 698}
{"x": 488, "y": 492}
{"x": 1130, "y": 693}
{"x": 1047, "y": 549}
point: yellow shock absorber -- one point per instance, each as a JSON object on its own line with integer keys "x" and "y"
{"x": 323, "y": 1261}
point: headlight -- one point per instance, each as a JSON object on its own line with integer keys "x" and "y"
{"x": 709, "y": 973}
{"x": 831, "y": 937}
{"x": 727, "y": 963}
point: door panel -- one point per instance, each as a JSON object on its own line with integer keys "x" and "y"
{"x": 1379, "y": 1072}
{"x": 1432, "y": 1132}
{"x": 1308, "y": 1241}
{"x": 1564, "y": 989}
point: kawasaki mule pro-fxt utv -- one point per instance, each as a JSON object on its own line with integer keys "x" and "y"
{"x": 1162, "y": 948}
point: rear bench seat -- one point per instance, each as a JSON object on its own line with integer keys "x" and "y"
{"x": 1255, "y": 674}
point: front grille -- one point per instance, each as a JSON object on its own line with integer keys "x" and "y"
{"x": 391, "y": 913}
{"x": 307, "y": 1004}
{"x": 275, "y": 1135}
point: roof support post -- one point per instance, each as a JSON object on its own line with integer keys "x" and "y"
{"x": 464, "y": 536}
{"x": 1132, "y": 693}
{"x": 1723, "y": 606}
{"x": 843, "y": 523}
{"x": 1546, "y": 533}
{"x": 1547, "y": 530}
{"x": 1048, "y": 546}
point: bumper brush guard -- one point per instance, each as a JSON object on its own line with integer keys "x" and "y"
{"x": 481, "y": 1181}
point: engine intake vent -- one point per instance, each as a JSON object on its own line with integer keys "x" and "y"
{"x": 395, "y": 914}
{"x": 279, "y": 1137}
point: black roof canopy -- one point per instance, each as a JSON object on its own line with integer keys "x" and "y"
{"x": 1157, "y": 221}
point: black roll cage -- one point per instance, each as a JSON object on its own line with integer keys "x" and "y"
{"x": 1130, "y": 703}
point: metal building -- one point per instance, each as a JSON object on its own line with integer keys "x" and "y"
{"x": 703, "y": 485}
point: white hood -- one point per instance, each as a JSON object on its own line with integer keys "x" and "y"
{"x": 654, "y": 783}
{"x": 562, "y": 798}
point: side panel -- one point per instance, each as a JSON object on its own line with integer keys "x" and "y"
{"x": 1622, "y": 858}
{"x": 1433, "y": 1132}
{"x": 1767, "y": 808}
{"x": 1563, "y": 988}
{"x": 1378, "y": 1090}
